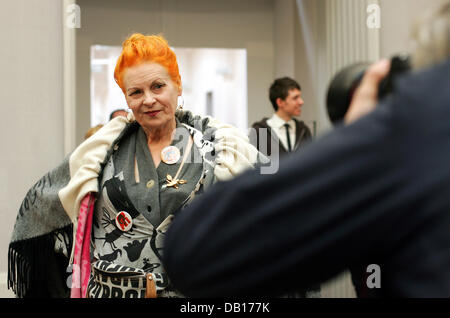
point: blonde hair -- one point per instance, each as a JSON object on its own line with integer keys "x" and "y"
{"x": 431, "y": 35}
{"x": 92, "y": 131}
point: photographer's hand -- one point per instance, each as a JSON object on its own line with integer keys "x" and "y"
{"x": 365, "y": 97}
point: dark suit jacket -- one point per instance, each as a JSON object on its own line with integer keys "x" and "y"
{"x": 302, "y": 136}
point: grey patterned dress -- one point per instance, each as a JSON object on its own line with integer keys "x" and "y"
{"x": 131, "y": 183}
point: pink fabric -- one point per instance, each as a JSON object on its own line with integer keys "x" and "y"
{"x": 81, "y": 258}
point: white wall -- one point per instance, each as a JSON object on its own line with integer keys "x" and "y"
{"x": 330, "y": 34}
{"x": 221, "y": 72}
{"x": 284, "y": 37}
{"x": 31, "y": 90}
{"x": 397, "y": 17}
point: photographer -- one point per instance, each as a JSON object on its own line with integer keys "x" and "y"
{"x": 375, "y": 191}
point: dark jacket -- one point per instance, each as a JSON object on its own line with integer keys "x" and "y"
{"x": 373, "y": 192}
{"x": 302, "y": 136}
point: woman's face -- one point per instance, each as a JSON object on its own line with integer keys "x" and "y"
{"x": 151, "y": 95}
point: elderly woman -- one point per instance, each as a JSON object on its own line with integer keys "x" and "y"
{"x": 104, "y": 211}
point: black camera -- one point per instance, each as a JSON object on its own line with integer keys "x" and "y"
{"x": 345, "y": 82}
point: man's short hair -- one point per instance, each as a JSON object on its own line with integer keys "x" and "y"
{"x": 111, "y": 115}
{"x": 280, "y": 89}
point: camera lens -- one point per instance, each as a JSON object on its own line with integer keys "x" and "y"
{"x": 344, "y": 83}
{"x": 341, "y": 90}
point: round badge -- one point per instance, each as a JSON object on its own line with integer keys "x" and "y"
{"x": 150, "y": 184}
{"x": 170, "y": 155}
{"x": 124, "y": 221}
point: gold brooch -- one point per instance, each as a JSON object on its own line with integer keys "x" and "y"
{"x": 173, "y": 182}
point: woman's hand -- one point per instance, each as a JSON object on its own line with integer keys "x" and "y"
{"x": 365, "y": 97}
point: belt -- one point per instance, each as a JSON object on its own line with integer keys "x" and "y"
{"x": 110, "y": 280}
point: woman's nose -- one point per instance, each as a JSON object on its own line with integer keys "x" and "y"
{"x": 149, "y": 99}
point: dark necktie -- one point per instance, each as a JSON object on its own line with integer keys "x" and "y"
{"x": 288, "y": 137}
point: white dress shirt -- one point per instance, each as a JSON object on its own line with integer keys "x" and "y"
{"x": 277, "y": 124}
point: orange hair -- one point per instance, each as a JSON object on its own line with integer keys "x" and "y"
{"x": 139, "y": 48}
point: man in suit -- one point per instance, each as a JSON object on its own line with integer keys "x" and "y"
{"x": 282, "y": 130}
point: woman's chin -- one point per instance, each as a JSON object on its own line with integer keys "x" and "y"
{"x": 155, "y": 123}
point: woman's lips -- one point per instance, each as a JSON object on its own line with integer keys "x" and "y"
{"x": 153, "y": 113}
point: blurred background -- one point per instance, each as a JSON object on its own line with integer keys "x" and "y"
{"x": 57, "y": 59}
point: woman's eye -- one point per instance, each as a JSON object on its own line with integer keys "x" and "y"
{"x": 158, "y": 86}
{"x": 135, "y": 92}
